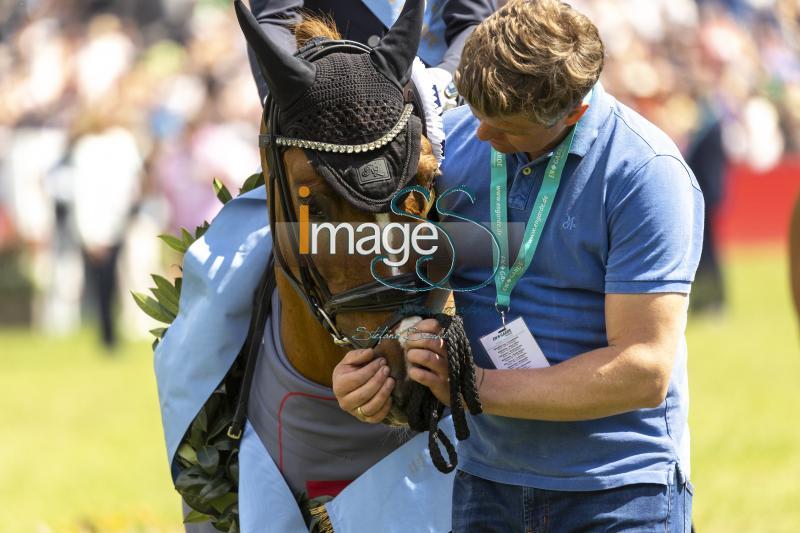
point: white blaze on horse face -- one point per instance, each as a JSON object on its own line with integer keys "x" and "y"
{"x": 383, "y": 221}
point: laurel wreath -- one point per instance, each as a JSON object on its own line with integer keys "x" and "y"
{"x": 207, "y": 459}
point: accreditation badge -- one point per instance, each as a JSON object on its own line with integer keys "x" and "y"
{"x": 513, "y": 346}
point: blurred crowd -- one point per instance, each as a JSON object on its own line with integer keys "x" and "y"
{"x": 685, "y": 64}
{"x": 111, "y": 131}
{"x": 116, "y": 116}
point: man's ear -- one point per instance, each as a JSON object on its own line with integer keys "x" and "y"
{"x": 576, "y": 115}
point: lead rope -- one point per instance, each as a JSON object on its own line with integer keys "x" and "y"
{"x": 425, "y": 411}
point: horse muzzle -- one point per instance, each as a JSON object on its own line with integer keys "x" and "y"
{"x": 393, "y": 350}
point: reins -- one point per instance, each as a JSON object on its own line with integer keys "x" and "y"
{"x": 424, "y": 410}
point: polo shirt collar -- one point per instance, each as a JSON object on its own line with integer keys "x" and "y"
{"x": 589, "y": 128}
{"x": 592, "y": 122}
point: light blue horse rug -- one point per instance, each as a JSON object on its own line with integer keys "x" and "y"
{"x": 297, "y": 440}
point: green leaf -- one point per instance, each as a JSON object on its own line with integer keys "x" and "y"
{"x": 201, "y": 420}
{"x": 221, "y": 191}
{"x": 220, "y": 427}
{"x": 166, "y": 294}
{"x": 208, "y": 459}
{"x": 196, "y": 436}
{"x": 218, "y": 487}
{"x": 199, "y": 231}
{"x": 233, "y": 467}
{"x": 173, "y": 242}
{"x": 191, "y": 477}
{"x": 154, "y": 345}
{"x": 167, "y": 289}
{"x": 197, "y": 432}
{"x": 158, "y": 333}
{"x": 165, "y": 301}
{"x": 187, "y": 237}
{"x": 190, "y": 496}
{"x": 223, "y": 443}
{"x": 212, "y": 405}
{"x": 228, "y": 519}
{"x": 188, "y": 453}
{"x": 153, "y": 308}
{"x": 224, "y": 501}
{"x": 196, "y": 516}
{"x": 178, "y": 284}
{"x": 253, "y": 181}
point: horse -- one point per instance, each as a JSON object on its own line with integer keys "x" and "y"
{"x": 326, "y": 303}
{"x": 311, "y": 346}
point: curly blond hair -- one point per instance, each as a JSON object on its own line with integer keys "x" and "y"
{"x": 538, "y": 58}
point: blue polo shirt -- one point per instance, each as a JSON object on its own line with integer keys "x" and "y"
{"x": 627, "y": 218}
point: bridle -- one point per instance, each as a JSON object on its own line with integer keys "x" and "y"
{"x": 311, "y": 285}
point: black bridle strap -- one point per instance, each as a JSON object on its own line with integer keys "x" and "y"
{"x": 311, "y": 285}
{"x": 369, "y": 297}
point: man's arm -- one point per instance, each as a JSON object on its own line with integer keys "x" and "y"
{"x": 632, "y": 372}
{"x": 460, "y": 18}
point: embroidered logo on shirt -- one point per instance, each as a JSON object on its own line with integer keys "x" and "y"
{"x": 569, "y": 223}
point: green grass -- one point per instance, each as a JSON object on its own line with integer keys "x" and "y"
{"x": 81, "y": 447}
{"x": 744, "y": 371}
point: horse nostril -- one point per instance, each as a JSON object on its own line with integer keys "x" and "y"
{"x": 401, "y": 392}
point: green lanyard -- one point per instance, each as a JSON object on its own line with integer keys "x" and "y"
{"x": 505, "y": 280}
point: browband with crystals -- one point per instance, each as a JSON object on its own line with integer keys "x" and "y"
{"x": 264, "y": 140}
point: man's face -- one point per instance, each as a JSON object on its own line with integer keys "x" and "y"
{"x": 517, "y": 133}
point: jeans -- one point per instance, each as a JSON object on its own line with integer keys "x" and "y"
{"x": 482, "y": 506}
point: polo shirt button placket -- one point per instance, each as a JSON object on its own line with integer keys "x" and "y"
{"x": 520, "y": 189}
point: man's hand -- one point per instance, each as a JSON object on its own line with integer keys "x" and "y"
{"x": 362, "y": 386}
{"x": 427, "y": 358}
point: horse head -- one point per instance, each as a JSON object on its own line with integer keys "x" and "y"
{"x": 343, "y": 133}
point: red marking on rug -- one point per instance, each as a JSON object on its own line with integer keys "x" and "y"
{"x": 280, "y": 421}
{"x": 326, "y": 488}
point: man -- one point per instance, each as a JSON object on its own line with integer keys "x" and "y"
{"x": 586, "y": 430}
{"x": 446, "y": 27}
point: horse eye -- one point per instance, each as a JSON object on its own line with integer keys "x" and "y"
{"x": 314, "y": 210}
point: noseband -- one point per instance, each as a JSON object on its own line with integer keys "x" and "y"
{"x": 310, "y": 285}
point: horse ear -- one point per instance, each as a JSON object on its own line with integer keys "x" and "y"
{"x": 395, "y": 54}
{"x": 287, "y": 76}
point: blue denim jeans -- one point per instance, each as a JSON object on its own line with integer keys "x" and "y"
{"x": 482, "y": 506}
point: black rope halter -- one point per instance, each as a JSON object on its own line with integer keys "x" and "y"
{"x": 424, "y": 410}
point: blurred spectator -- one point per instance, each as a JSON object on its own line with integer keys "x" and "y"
{"x": 106, "y": 174}
{"x": 673, "y": 56}
{"x": 707, "y": 158}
